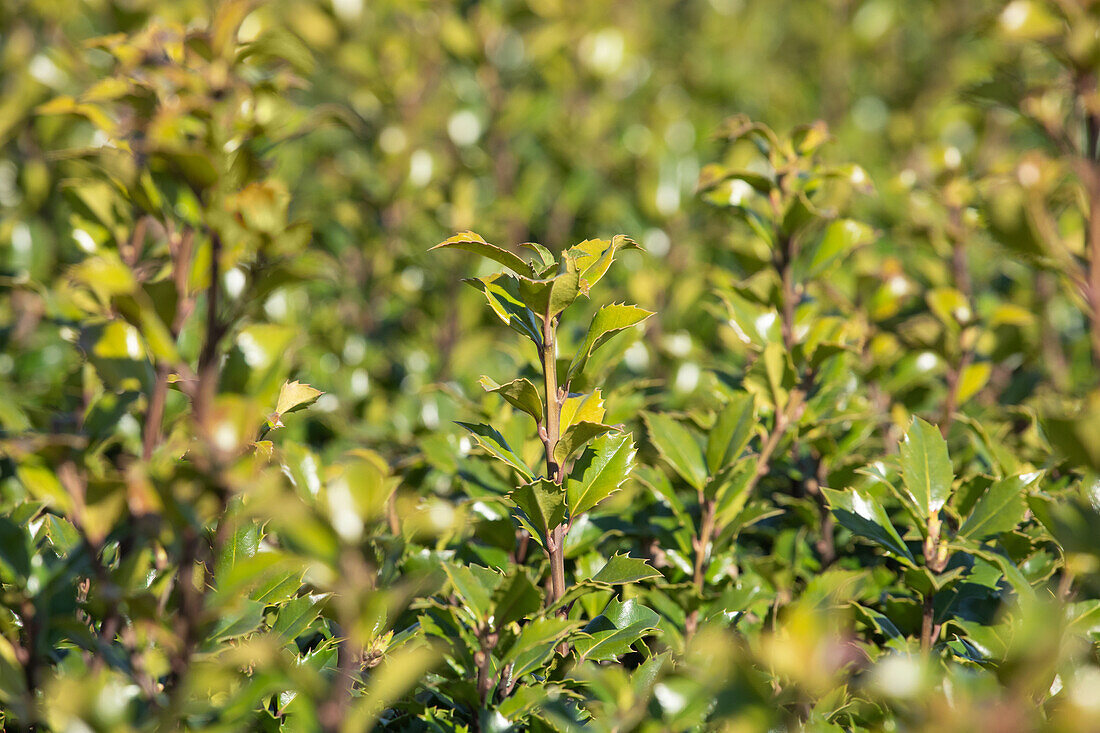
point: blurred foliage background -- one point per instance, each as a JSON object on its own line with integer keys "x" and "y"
{"x": 285, "y": 166}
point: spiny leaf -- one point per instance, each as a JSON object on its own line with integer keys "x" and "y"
{"x": 475, "y": 585}
{"x": 471, "y": 242}
{"x": 543, "y": 505}
{"x": 602, "y": 471}
{"x": 608, "y": 321}
{"x": 549, "y": 297}
{"x": 519, "y": 393}
{"x": 503, "y": 294}
{"x": 621, "y": 569}
{"x": 574, "y": 438}
{"x": 496, "y": 445}
{"x": 594, "y": 257}
{"x": 515, "y": 598}
{"x": 578, "y": 407}
{"x": 678, "y": 447}
{"x": 536, "y": 643}
{"x": 926, "y": 467}
{"x": 294, "y": 396}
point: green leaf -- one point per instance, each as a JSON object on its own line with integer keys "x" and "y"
{"x": 731, "y": 432}
{"x": 611, "y": 634}
{"x": 241, "y": 545}
{"x": 519, "y": 393}
{"x": 547, "y": 298}
{"x": 503, "y": 295}
{"x": 516, "y": 598}
{"x": 678, "y": 447}
{"x": 840, "y": 238}
{"x": 608, "y": 321}
{"x": 543, "y": 505}
{"x": 536, "y": 643}
{"x": 296, "y": 615}
{"x": 475, "y": 585}
{"x": 546, "y": 257}
{"x": 862, "y": 514}
{"x": 602, "y": 470}
{"x": 622, "y": 569}
{"x": 497, "y": 446}
{"x": 575, "y": 436}
{"x": 594, "y": 257}
{"x": 14, "y": 552}
{"x": 471, "y": 242}
{"x": 926, "y": 467}
{"x": 1000, "y": 508}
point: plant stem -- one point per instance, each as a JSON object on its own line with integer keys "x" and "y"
{"x": 555, "y": 546}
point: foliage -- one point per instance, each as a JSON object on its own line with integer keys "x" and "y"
{"x": 819, "y": 452}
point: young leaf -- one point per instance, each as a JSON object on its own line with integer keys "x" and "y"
{"x": 471, "y": 242}
{"x": 543, "y": 505}
{"x": 548, "y": 298}
{"x": 546, "y": 257}
{"x": 594, "y": 257}
{"x": 863, "y": 515}
{"x": 519, "y": 393}
{"x": 494, "y": 443}
{"x": 731, "y": 433}
{"x": 678, "y": 447}
{"x": 608, "y": 321}
{"x": 294, "y": 396}
{"x": 602, "y": 471}
{"x": 621, "y": 569}
{"x": 475, "y": 585}
{"x": 578, "y": 407}
{"x": 926, "y": 467}
{"x": 574, "y": 438}
{"x": 502, "y": 293}
{"x": 1000, "y": 508}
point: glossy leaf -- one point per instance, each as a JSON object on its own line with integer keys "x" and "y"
{"x": 862, "y": 514}
{"x": 601, "y": 472}
{"x": 519, "y": 393}
{"x": 608, "y": 321}
{"x": 471, "y": 242}
{"x": 621, "y": 569}
{"x": 926, "y": 467}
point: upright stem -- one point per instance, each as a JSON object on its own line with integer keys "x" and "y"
{"x": 555, "y": 549}
{"x": 1091, "y": 177}
{"x": 935, "y": 559}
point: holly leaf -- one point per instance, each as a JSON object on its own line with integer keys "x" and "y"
{"x": 473, "y": 243}
{"x": 519, "y": 393}
{"x": 602, "y": 470}
{"x": 926, "y": 467}
{"x": 497, "y": 446}
{"x": 862, "y": 514}
{"x": 608, "y": 321}
{"x": 542, "y": 503}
